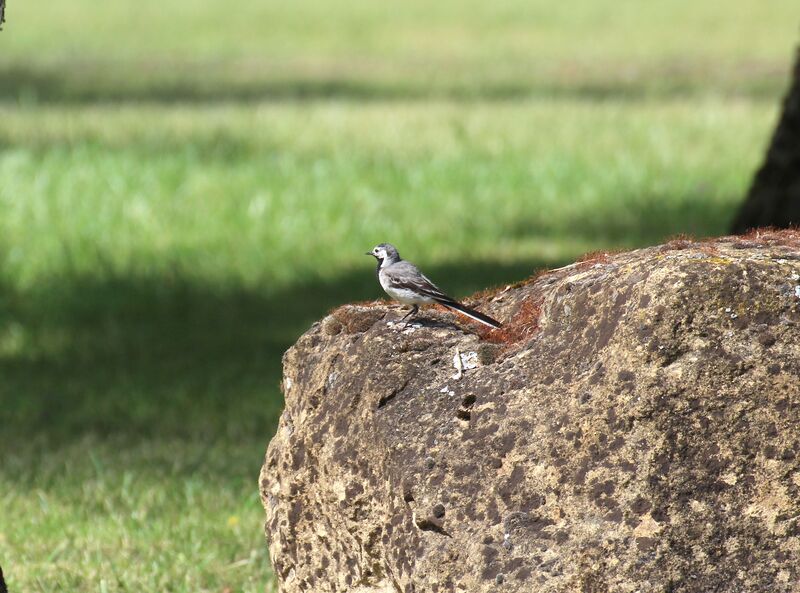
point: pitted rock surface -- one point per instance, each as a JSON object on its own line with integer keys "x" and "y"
{"x": 645, "y": 437}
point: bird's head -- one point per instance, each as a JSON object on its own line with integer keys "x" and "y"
{"x": 384, "y": 252}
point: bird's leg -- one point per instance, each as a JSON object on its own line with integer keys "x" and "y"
{"x": 411, "y": 313}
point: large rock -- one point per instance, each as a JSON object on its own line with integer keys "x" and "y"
{"x": 636, "y": 427}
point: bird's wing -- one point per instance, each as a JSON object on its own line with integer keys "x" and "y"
{"x": 406, "y": 275}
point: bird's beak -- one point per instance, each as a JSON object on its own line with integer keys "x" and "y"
{"x": 368, "y": 253}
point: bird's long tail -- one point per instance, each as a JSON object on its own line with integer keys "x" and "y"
{"x": 485, "y": 319}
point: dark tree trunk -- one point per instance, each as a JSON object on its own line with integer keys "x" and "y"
{"x": 774, "y": 197}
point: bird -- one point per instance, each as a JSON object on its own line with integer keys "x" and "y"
{"x": 403, "y": 281}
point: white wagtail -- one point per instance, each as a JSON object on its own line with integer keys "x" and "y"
{"x": 404, "y": 282}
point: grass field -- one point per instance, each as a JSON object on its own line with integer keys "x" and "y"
{"x": 185, "y": 186}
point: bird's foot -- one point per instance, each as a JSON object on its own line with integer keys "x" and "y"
{"x": 410, "y": 315}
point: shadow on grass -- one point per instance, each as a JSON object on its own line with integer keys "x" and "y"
{"x": 77, "y": 84}
{"x": 645, "y": 220}
{"x": 168, "y": 357}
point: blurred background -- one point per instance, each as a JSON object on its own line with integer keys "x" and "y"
{"x": 186, "y": 185}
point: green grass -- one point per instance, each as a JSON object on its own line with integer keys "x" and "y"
{"x": 188, "y": 51}
{"x": 107, "y": 515}
{"x": 186, "y": 186}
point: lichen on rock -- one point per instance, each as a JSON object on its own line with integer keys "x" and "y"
{"x": 635, "y": 427}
